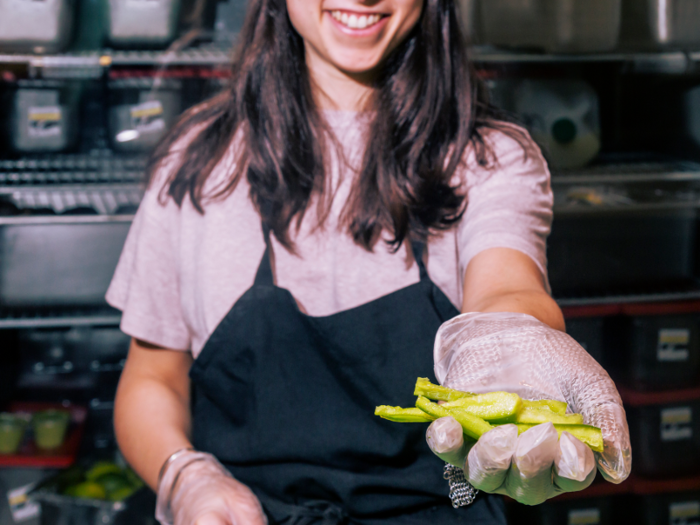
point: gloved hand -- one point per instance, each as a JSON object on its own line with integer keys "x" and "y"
{"x": 197, "y": 490}
{"x": 517, "y": 353}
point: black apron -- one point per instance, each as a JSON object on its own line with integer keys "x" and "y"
{"x": 286, "y": 402}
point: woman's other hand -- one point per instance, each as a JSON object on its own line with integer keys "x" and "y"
{"x": 482, "y": 352}
{"x": 197, "y": 490}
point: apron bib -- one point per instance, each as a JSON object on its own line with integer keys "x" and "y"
{"x": 286, "y": 402}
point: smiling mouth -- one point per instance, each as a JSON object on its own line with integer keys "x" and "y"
{"x": 354, "y": 21}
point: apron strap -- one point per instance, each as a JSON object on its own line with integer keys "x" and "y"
{"x": 264, "y": 276}
{"x": 418, "y": 247}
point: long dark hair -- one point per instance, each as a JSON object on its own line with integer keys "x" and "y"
{"x": 427, "y": 108}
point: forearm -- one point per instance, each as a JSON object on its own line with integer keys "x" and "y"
{"x": 151, "y": 417}
{"x": 538, "y": 304}
{"x": 506, "y": 280}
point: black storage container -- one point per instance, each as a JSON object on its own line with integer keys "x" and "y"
{"x": 666, "y": 509}
{"x": 660, "y": 351}
{"x": 605, "y": 255}
{"x": 589, "y": 511}
{"x": 665, "y": 438}
{"x": 589, "y": 332}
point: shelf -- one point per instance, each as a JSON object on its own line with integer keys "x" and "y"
{"x": 91, "y": 64}
{"x": 627, "y": 186}
{"x": 673, "y": 62}
{"x": 16, "y": 318}
{"x": 595, "y": 300}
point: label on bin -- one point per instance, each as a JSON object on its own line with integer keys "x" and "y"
{"x": 44, "y": 121}
{"x": 147, "y": 117}
{"x": 584, "y": 517}
{"x": 21, "y": 507}
{"x": 676, "y": 424}
{"x": 686, "y": 513}
{"x": 673, "y": 345}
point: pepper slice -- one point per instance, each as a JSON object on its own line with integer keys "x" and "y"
{"x": 498, "y": 407}
{"x": 473, "y": 426}
{"x": 535, "y": 416}
{"x": 437, "y": 392}
{"x": 558, "y": 407}
{"x": 591, "y": 436}
{"x": 403, "y": 415}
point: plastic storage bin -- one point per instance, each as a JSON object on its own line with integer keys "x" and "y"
{"x": 589, "y": 511}
{"x": 612, "y": 255}
{"x": 667, "y": 509}
{"x": 563, "y": 117}
{"x": 53, "y": 264}
{"x": 588, "y": 331}
{"x": 42, "y": 26}
{"x": 660, "y": 351}
{"x": 577, "y": 26}
{"x": 140, "y": 23}
{"x": 665, "y": 438}
{"x": 661, "y": 24}
{"x": 141, "y": 112}
{"x": 43, "y": 117}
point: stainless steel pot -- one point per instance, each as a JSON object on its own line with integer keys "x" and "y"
{"x": 42, "y": 26}
{"x": 661, "y": 24}
{"x": 575, "y": 26}
{"x": 142, "y": 22}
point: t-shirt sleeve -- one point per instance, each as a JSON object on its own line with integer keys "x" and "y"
{"x": 509, "y": 203}
{"x": 145, "y": 286}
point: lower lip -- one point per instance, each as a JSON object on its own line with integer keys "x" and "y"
{"x": 367, "y": 31}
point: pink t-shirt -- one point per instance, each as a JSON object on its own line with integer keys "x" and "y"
{"x": 181, "y": 271}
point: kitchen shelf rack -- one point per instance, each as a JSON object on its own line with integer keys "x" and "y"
{"x": 92, "y": 64}
{"x": 627, "y": 186}
{"x": 15, "y": 318}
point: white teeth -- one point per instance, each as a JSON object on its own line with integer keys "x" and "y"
{"x": 354, "y": 21}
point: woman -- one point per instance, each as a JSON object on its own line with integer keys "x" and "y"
{"x": 304, "y": 236}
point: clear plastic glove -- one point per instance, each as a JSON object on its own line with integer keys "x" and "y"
{"x": 517, "y": 353}
{"x": 197, "y": 490}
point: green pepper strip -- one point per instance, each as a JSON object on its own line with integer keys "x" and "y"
{"x": 403, "y": 415}
{"x": 498, "y": 407}
{"x": 591, "y": 436}
{"x": 558, "y": 407}
{"x": 436, "y": 392}
{"x": 473, "y": 426}
{"x": 535, "y": 416}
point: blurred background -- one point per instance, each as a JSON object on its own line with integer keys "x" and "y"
{"x": 609, "y": 88}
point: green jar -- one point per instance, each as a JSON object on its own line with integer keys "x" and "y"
{"x": 50, "y": 428}
{"x": 11, "y": 432}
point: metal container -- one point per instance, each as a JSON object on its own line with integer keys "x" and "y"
{"x": 555, "y": 26}
{"x": 141, "y": 111}
{"x": 43, "y": 117}
{"x": 661, "y": 24}
{"x": 42, "y": 26}
{"x": 59, "y": 261}
{"x": 133, "y": 23}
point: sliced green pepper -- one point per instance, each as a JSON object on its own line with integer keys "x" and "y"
{"x": 535, "y": 416}
{"x": 436, "y": 392}
{"x": 591, "y": 436}
{"x": 499, "y": 407}
{"x": 403, "y": 415}
{"x": 473, "y": 426}
{"x": 558, "y": 407}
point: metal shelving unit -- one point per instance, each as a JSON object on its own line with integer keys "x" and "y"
{"x": 627, "y": 187}
{"x": 14, "y": 318}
